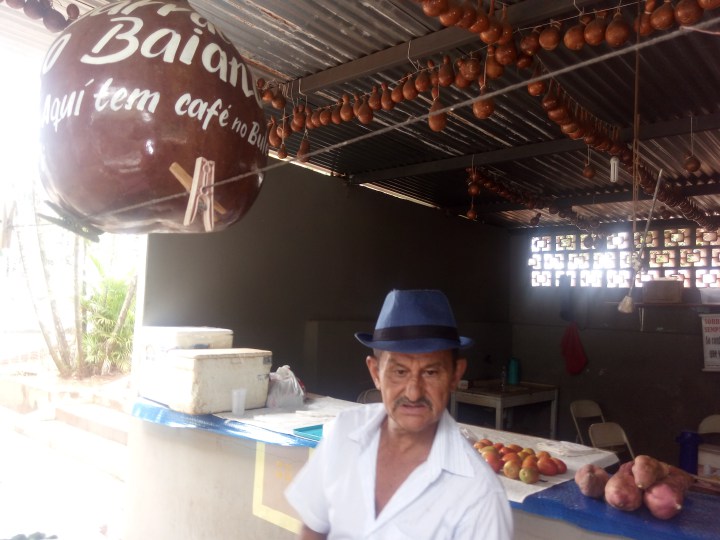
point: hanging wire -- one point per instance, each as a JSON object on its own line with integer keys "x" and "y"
{"x": 423, "y": 117}
{"x": 692, "y": 139}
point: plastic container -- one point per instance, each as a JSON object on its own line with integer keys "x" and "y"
{"x": 201, "y": 381}
{"x": 709, "y": 461}
{"x": 513, "y": 371}
{"x": 710, "y": 295}
{"x": 689, "y": 442}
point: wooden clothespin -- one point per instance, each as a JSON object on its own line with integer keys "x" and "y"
{"x": 200, "y": 188}
{"x": 71, "y": 223}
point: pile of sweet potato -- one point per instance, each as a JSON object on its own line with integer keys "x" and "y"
{"x": 660, "y": 486}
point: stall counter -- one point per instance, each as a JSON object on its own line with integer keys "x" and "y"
{"x": 207, "y": 476}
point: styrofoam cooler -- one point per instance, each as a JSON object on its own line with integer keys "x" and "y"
{"x": 152, "y": 342}
{"x": 159, "y": 339}
{"x": 201, "y": 381}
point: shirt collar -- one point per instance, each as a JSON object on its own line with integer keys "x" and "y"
{"x": 447, "y": 453}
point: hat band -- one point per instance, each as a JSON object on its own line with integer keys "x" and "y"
{"x": 401, "y": 333}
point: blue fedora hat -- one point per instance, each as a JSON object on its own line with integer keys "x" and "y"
{"x": 415, "y": 321}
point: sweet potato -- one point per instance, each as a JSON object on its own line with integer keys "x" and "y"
{"x": 680, "y": 478}
{"x": 622, "y": 493}
{"x": 626, "y": 467}
{"x": 647, "y": 470}
{"x": 591, "y": 480}
{"x": 664, "y": 498}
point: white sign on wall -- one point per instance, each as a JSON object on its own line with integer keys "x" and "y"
{"x": 711, "y": 340}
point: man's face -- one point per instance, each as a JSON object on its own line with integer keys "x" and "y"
{"x": 415, "y": 387}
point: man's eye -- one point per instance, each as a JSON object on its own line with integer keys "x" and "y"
{"x": 432, "y": 373}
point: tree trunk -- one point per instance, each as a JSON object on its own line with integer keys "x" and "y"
{"x": 63, "y": 349}
{"x": 63, "y": 368}
{"x": 122, "y": 316}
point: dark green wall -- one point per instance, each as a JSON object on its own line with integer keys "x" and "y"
{"x": 650, "y": 381}
{"x": 311, "y": 263}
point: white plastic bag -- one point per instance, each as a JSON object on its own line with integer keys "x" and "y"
{"x": 284, "y": 390}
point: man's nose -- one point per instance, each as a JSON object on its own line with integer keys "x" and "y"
{"x": 415, "y": 388}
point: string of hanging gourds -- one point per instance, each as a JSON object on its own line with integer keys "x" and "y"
{"x": 46, "y": 11}
{"x": 502, "y": 50}
{"x": 575, "y": 121}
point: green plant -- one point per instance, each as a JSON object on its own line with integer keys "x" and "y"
{"x": 109, "y": 325}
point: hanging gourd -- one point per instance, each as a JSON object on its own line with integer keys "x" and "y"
{"x": 493, "y": 69}
{"x": 304, "y": 150}
{"x": 356, "y": 104}
{"x": 433, "y": 8}
{"x": 574, "y": 38}
{"x": 537, "y": 88}
{"x": 506, "y": 32}
{"x": 437, "y": 120}
{"x": 663, "y": 16}
{"x": 273, "y": 138}
{"x": 468, "y": 17}
{"x": 530, "y": 44}
{"x": 326, "y": 116}
{"x": 688, "y": 12}
{"x": 115, "y": 118}
{"x": 365, "y": 112}
{"x": 481, "y": 19}
{"x": 494, "y": 30}
{"x": 397, "y": 92}
{"x": 550, "y": 38}
{"x": 618, "y": 31}
{"x": 422, "y": 81}
{"x": 336, "y": 114}
{"x": 409, "y": 91}
{"x": 278, "y": 100}
{"x": 451, "y": 15}
{"x": 594, "y": 33}
{"x": 346, "y": 110}
{"x": 446, "y": 73}
{"x": 374, "y": 99}
{"x": 470, "y": 68}
{"x": 484, "y": 107}
{"x": 641, "y": 24}
{"x": 386, "y": 100}
{"x": 506, "y": 53}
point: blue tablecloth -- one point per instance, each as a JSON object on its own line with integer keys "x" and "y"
{"x": 699, "y": 519}
{"x": 159, "y": 414}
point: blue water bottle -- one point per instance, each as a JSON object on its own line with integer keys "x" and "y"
{"x": 514, "y": 371}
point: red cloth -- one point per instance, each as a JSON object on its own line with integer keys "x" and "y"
{"x": 572, "y": 350}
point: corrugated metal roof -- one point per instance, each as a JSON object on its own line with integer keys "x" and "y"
{"x": 318, "y": 50}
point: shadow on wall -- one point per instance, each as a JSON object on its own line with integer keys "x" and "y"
{"x": 334, "y": 361}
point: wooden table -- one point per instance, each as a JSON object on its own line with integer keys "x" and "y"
{"x": 492, "y": 394}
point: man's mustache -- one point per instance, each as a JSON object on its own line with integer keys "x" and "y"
{"x": 399, "y": 402}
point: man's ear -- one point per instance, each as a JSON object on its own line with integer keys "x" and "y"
{"x": 374, "y": 368}
{"x": 460, "y": 367}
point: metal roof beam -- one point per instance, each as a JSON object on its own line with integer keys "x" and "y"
{"x": 521, "y": 14}
{"x": 647, "y": 132}
{"x": 596, "y": 198}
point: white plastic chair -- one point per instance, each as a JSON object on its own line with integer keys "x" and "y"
{"x": 710, "y": 424}
{"x": 371, "y": 395}
{"x": 610, "y": 436}
{"x": 583, "y": 409}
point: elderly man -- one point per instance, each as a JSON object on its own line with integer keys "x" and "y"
{"x": 400, "y": 469}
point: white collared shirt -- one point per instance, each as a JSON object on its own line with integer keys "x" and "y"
{"x": 453, "y": 495}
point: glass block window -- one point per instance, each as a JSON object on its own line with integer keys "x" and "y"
{"x": 690, "y": 253}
